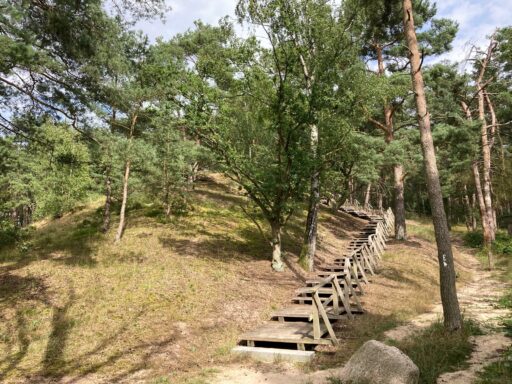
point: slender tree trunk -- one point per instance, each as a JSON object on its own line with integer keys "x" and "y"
{"x": 469, "y": 211}
{"x": 451, "y": 310}
{"x": 126, "y": 178}
{"x": 486, "y": 141}
{"x": 351, "y": 190}
{"x": 473, "y": 216}
{"x": 307, "y": 254}
{"x": 277, "y": 262}
{"x": 367, "y": 195}
{"x": 122, "y": 212}
{"x": 486, "y": 220}
{"x": 108, "y": 201}
{"x": 398, "y": 171}
{"x": 400, "y": 228}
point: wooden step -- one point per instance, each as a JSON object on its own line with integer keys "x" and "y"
{"x": 302, "y": 311}
{"x": 307, "y": 290}
{"x": 296, "y": 332}
{"x": 270, "y": 355}
{"x": 308, "y": 299}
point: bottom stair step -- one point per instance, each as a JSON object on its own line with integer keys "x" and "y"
{"x": 273, "y": 354}
{"x": 289, "y": 333}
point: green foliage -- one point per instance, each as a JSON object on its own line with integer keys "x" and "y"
{"x": 502, "y": 245}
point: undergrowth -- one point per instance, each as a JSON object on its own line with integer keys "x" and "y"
{"x": 436, "y": 350}
{"x": 499, "y": 372}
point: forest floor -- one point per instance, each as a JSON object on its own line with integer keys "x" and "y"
{"x": 167, "y": 304}
{"x": 478, "y": 298}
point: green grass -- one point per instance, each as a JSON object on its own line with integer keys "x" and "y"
{"x": 421, "y": 228}
{"x": 435, "y": 350}
{"x": 499, "y": 372}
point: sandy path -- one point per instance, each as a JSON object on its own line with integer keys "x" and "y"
{"x": 478, "y": 300}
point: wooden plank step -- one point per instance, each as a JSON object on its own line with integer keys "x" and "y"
{"x": 302, "y": 311}
{"x": 296, "y": 332}
{"x": 308, "y": 299}
{"x": 306, "y": 290}
{"x": 270, "y": 355}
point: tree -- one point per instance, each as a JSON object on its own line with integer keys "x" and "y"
{"x": 379, "y": 24}
{"x": 451, "y": 310}
{"x": 314, "y": 37}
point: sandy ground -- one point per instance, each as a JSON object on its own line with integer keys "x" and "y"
{"x": 478, "y": 301}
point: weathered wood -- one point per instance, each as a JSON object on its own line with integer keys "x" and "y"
{"x": 288, "y": 332}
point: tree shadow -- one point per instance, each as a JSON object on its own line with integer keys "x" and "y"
{"x": 61, "y": 327}
{"x": 23, "y": 344}
{"x": 13, "y": 291}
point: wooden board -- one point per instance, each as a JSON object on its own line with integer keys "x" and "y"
{"x": 292, "y": 332}
{"x": 303, "y": 311}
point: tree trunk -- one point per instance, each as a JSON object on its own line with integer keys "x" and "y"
{"x": 351, "y": 190}
{"x": 122, "y": 212}
{"x": 473, "y": 216}
{"x": 486, "y": 142}
{"x": 400, "y": 228}
{"x": 108, "y": 201}
{"x": 469, "y": 211}
{"x": 367, "y": 195}
{"x": 451, "y": 310}
{"x": 486, "y": 220}
{"x": 389, "y": 131}
{"x": 277, "y": 262}
{"x": 307, "y": 254}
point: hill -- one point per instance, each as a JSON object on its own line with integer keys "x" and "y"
{"x": 170, "y": 300}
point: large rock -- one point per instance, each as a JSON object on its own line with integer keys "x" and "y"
{"x": 378, "y": 363}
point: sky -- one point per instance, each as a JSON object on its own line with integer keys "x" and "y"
{"x": 477, "y": 19}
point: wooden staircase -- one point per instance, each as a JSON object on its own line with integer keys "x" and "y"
{"x": 293, "y": 331}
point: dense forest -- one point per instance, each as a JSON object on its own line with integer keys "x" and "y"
{"x": 321, "y": 103}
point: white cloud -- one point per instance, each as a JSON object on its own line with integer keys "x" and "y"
{"x": 477, "y": 20}
{"x": 183, "y": 15}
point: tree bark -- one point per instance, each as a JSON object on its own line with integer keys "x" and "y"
{"x": 486, "y": 141}
{"x": 400, "y": 228}
{"x": 126, "y": 178}
{"x": 451, "y": 310}
{"x": 122, "y": 212}
{"x": 277, "y": 262}
{"x": 367, "y": 195}
{"x": 389, "y": 131}
{"x": 108, "y": 201}
{"x": 473, "y": 217}
{"x": 469, "y": 210}
{"x": 307, "y": 254}
{"x": 486, "y": 220}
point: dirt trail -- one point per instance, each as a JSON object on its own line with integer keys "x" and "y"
{"x": 478, "y": 300}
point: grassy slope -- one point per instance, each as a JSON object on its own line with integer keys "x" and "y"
{"x": 169, "y": 302}
{"x": 170, "y": 299}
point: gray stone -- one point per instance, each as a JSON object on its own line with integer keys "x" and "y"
{"x": 378, "y": 363}
{"x": 273, "y": 354}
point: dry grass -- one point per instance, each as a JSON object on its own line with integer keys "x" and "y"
{"x": 168, "y": 301}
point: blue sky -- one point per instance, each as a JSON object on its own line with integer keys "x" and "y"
{"x": 477, "y": 19}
